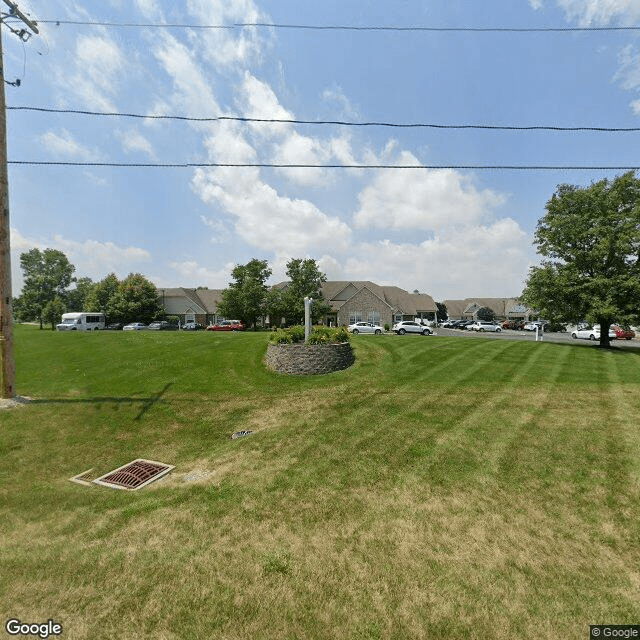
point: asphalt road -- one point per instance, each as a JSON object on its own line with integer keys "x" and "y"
{"x": 509, "y": 334}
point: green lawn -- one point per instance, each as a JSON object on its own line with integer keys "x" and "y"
{"x": 440, "y": 488}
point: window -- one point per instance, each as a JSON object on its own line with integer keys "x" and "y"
{"x": 374, "y": 317}
{"x": 355, "y": 316}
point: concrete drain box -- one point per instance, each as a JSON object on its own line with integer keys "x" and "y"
{"x": 134, "y": 475}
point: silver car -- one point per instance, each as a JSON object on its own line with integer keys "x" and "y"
{"x": 365, "y": 327}
{"x": 409, "y": 326}
{"x": 482, "y": 325}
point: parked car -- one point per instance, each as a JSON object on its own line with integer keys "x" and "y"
{"x": 586, "y": 332}
{"x": 484, "y": 325}
{"x": 622, "y": 333}
{"x": 536, "y": 324}
{"x": 162, "y": 325}
{"x": 365, "y": 327}
{"x": 227, "y": 325}
{"x": 134, "y": 326}
{"x": 516, "y": 325}
{"x": 192, "y": 326}
{"x": 409, "y": 326}
{"x": 555, "y": 327}
{"x": 114, "y": 326}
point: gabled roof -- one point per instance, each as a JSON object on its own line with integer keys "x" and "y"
{"x": 206, "y": 300}
{"x": 499, "y": 306}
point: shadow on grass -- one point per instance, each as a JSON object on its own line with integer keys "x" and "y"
{"x": 146, "y": 403}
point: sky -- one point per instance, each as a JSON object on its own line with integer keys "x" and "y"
{"x": 450, "y": 233}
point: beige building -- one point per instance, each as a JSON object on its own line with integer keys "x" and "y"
{"x": 364, "y": 301}
{"x": 503, "y": 308}
{"x": 191, "y": 305}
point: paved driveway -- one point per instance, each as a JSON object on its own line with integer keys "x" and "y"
{"x": 508, "y": 334}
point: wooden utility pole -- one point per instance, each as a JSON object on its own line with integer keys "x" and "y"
{"x": 7, "y": 364}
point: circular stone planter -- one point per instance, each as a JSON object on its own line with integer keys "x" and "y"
{"x": 309, "y": 359}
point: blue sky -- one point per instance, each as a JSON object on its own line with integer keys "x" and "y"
{"x": 450, "y": 233}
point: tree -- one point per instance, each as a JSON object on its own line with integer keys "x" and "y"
{"x": 590, "y": 242}
{"x": 246, "y": 297}
{"x": 99, "y": 298}
{"x": 77, "y": 297}
{"x": 441, "y": 313}
{"x": 484, "y": 313}
{"x": 53, "y": 310}
{"x": 135, "y": 300}
{"x": 47, "y": 274}
{"x": 305, "y": 281}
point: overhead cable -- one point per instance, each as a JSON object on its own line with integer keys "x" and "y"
{"x": 192, "y": 165}
{"x": 244, "y": 25}
{"x": 343, "y": 123}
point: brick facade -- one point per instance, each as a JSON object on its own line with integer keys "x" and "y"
{"x": 365, "y": 302}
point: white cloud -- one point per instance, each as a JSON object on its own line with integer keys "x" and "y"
{"x": 601, "y": 12}
{"x": 133, "y": 141}
{"x": 92, "y": 258}
{"x": 422, "y": 199}
{"x": 536, "y": 4}
{"x": 481, "y": 260}
{"x": 189, "y": 271}
{"x": 629, "y": 73}
{"x": 337, "y": 96}
{"x": 99, "y": 64}
{"x": 63, "y": 144}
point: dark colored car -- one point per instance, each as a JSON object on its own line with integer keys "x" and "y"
{"x": 114, "y": 326}
{"x": 162, "y": 325}
{"x": 192, "y": 326}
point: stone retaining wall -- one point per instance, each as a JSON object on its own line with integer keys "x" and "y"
{"x": 309, "y": 359}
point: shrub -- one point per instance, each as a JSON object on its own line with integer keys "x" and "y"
{"x": 319, "y": 335}
{"x": 386, "y": 326}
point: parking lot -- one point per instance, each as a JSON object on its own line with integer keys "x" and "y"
{"x": 510, "y": 334}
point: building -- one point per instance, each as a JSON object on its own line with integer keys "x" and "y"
{"x": 503, "y": 308}
{"x": 191, "y": 305}
{"x": 364, "y": 301}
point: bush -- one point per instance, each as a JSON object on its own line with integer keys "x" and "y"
{"x": 319, "y": 335}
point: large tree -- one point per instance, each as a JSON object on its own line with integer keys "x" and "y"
{"x": 77, "y": 297}
{"x": 135, "y": 300}
{"x": 99, "y": 298}
{"x": 305, "y": 281}
{"x": 590, "y": 243}
{"x": 246, "y": 297}
{"x": 47, "y": 275}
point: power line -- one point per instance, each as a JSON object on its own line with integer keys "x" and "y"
{"x": 343, "y": 123}
{"x": 244, "y": 25}
{"x": 193, "y": 165}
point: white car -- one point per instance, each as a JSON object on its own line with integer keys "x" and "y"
{"x": 409, "y": 326}
{"x": 590, "y": 333}
{"x": 365, "y": 327}
{"x": 482, "y": 325}
{"x": 134, "y": 326}
{"x": 532, "y": 326}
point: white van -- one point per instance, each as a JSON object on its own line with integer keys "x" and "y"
{"x": 81, "y": 321}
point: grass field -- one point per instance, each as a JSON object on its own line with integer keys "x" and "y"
{"x": 440, "y": 488}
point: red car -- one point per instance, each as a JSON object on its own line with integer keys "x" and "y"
{"x": 226, "y": 325}
{"x": 623, "y": 334}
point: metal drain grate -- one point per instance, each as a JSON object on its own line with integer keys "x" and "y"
{"x": 134, "y": 475}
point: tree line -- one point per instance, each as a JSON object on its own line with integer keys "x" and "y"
{"x": 50, "y": 289}
{"x": 47, "y": 292}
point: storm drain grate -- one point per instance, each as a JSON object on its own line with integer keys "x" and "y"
{"x": 134, "y": 475}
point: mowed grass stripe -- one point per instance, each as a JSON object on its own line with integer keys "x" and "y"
{"x": 331, "y": 520}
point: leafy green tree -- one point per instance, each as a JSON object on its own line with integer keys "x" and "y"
{"x": 441, "y": 313}
{"x": 47, "y": 275}
{"x": 135, "y": 300}
{"x": 484, "y": 313}
{"x": 53, "y": 310}
{"x": 246, "y": 297}
{"x": 305, "y": 280}
{"x": 99, "y": 298}
{"x": 77, "y": 297}
{"x": 590, "y": 243}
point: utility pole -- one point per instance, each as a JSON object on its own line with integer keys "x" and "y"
{"x": 7, "y": 364}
